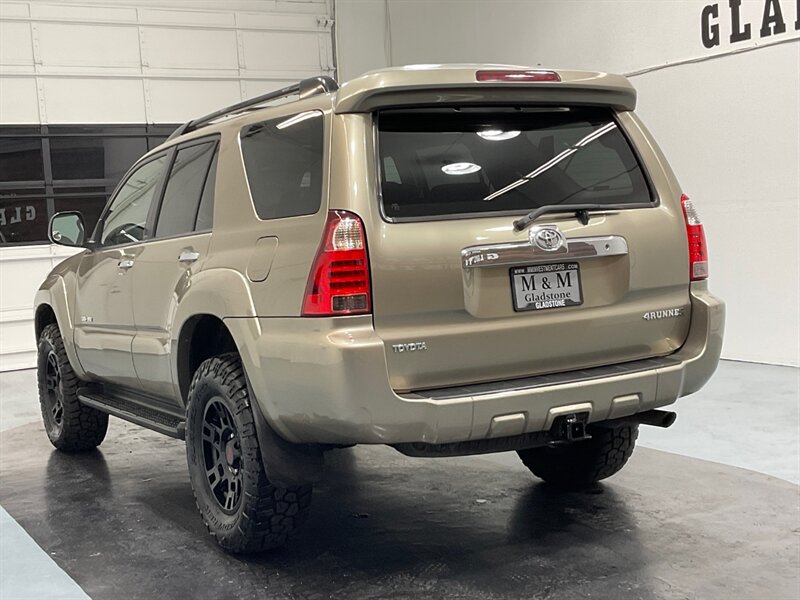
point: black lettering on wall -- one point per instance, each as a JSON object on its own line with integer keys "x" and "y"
{"x": 709, "y": 30}
{"x": 797, "y": 16}
{"x": 738, "y": 34}
{"x": 772, "y": 22}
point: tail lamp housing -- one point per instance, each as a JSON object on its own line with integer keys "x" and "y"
{"x": 696, "y": 237}
{"x": 339, "y": 282}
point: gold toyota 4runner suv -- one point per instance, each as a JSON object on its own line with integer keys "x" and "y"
{"x": 449, "y": 260}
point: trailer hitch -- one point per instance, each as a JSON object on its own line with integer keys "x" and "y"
{"x": 569, "y": 428}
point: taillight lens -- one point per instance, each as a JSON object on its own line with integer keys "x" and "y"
{"x": 338, "y": 283}
{"x": 698, "y": 251}
{"x": 516, "y": 75}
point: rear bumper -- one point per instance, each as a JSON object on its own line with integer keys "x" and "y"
{"x": 325, "y": 381}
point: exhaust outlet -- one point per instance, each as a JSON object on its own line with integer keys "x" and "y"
{"x": 656, "y": 418}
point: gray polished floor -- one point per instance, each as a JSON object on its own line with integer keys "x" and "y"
{"x": 121, "y": 521}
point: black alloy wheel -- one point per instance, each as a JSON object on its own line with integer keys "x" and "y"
{"x": 222, "y": 453}
{"x": 53, "y": 396}
{"x": 70, "y": 426}
{"x": 241, "y": 507}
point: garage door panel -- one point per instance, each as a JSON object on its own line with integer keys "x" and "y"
{"x": 185, "y": 17}
{"x": 253, "y": 20}
{"x": 16, "y": 47}
{"x": 70, "y": 44}
{"x": 93, "y": 100}
{"x": 189, "y": 48}
{"x": 281, "y": 50}
{"x": 175, "y": 100}
{"x": 18, "y": 102}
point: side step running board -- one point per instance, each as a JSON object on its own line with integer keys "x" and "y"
{"x": 151, "y": 418}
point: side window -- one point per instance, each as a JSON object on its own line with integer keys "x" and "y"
{"x": 283, "y": 160}
{"x": 187, "y": 179}
{"x": 126, "y": 219}
{"x": 205, "y": 213}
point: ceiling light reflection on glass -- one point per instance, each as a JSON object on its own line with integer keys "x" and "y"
{"x": 298, "y": 118}
{"x": 497, "y": 135}
{"x": 461, "y": 168}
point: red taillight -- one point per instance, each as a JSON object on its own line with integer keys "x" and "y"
{"x": 698, "y": 251}
{"x": 338, "y": 283}
{"x": 515, "y": 75}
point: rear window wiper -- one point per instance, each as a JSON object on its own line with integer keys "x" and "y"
{"x": 581, "y": 211}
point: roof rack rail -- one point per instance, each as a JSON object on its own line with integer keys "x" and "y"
{"x": 306, "y": 88}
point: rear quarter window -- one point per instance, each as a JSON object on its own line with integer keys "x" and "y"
{"x": 442, "y": 162}
{"x": 283, "y": 161}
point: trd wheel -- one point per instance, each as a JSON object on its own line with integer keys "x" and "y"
{"x": 70, "y": 426}
{"x": 242, "y": 509}
{"x": 580, "y": 464}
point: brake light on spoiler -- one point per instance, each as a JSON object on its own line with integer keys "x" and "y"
{"x": 511, "y": 75}
{"x": 338, "y": 283}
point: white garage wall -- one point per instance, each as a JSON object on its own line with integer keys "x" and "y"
{"x": 137, "y": 61}
{"x": 728, "y": 117}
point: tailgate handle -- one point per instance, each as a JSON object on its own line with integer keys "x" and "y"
{"x": 514, "y": 253}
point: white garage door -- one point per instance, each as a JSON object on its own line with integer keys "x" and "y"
{"x": 114, "y": 62}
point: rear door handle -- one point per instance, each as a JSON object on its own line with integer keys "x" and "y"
{"x": 125, "y": 263}
{"x": 188, "y": 256}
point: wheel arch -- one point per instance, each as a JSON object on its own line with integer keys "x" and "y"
{"x": 201, "y": 336}
{"x": 205, "y": 336}
{"x": 51, "y": 306}
{"x": 45, "y": 315}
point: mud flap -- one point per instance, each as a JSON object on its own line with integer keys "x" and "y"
{"x": 286, "y": 464}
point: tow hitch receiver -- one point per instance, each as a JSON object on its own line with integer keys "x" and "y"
{"x": 569, "y": 428}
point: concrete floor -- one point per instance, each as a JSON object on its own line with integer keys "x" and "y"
{"x": 121, "y": 521}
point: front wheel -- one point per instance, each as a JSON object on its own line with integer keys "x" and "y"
{"x": 242, "y": 509}
{"x": 71, "y": 426}
{"x": 581, "y": 464}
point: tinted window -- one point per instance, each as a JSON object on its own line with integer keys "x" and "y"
{"x": 283, "y": 160}
{"x": 23, "y": 216}
{"x": 205, "y": 214}
{"x": 94, "y": 157}
{"x": 21, "y": 159}
{"x": 86, "y": 163}
{"x": 439, "y": 162}
{"x": 184, "y": 188}
{"x": 126, "y": 220}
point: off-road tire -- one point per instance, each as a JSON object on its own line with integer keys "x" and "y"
{"x": 70, "y": 426}
{"x": 265, "y": 515}
{"x": 581, "y": 464}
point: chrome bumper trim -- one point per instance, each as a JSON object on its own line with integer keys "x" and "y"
{"x": 513, "y": 253}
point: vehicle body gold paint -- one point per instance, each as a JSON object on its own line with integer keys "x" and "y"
{"x": 339, "y": 380}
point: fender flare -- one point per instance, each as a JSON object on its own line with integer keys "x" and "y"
{"x": 53, "y": 294}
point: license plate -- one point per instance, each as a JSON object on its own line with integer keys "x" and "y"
{"x": 538, "y": 287}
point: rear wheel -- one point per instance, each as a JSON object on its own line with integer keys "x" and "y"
{"x": 71, "y": 426}
{"x": 242, "y": 509}
{"x": 580, "y": 464}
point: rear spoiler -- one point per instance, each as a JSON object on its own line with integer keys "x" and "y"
{"x": 408, "y": 86}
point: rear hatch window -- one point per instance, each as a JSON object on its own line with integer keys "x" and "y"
{"x": 456, "y": 162}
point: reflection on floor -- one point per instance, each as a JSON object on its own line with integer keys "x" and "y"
{"x": 121, "y": 521}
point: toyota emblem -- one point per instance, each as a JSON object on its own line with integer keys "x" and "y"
{"x": 548, "y": 238}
